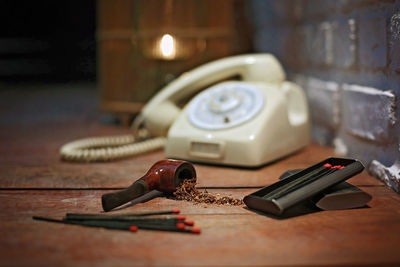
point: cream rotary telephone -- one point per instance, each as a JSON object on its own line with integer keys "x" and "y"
{"x": 248, "y": 123}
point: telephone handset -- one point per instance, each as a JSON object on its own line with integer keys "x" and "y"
{"x": 244, "y": 123}
{"x": 161, "y": 111}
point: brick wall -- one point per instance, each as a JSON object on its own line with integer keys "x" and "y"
{"x": 346, "y": 56}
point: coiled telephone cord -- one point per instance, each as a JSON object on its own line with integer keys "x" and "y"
{"x": 110, "y": 147}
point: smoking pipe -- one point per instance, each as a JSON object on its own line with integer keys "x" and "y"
{"x": 164, "y": 176}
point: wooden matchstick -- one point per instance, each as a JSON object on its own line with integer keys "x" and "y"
{"x": 126, "y": 225}
{"x": 71, "y": 216}
{"x": 81, "y": 215}
{"x": 113, "y": 225}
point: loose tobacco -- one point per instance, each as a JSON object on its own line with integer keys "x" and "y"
{"x": 188, "y": 191}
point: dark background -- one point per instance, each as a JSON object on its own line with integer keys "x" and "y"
{"x": 47, "y": 41}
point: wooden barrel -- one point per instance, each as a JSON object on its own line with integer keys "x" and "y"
{"x": 132, "y": 66}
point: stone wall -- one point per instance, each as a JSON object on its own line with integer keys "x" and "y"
{"x": 346, "y": 56}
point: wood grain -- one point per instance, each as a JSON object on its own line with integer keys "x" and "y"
{"x": 33, "y": 181}
{"x": 38, "y": 165}
{"x": 230, "y": 235}
{"x": 36, "y": 128}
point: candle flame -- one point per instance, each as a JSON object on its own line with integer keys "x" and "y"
{"x": 167, "y": 46}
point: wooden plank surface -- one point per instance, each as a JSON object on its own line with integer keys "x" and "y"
{"x": 33, "y": 181}
{"x": 230, "y": 235}
{"x": 36, "y": 123}
{"x": 35, "y": 163}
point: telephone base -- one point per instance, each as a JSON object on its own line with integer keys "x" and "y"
{"x": 269, "y": 135}
{"x": 245, "y": 158}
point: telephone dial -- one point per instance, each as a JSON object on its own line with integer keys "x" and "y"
{"x": 246, "y": 122}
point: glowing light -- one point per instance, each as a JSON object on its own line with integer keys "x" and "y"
{"x": 167, "y": 46}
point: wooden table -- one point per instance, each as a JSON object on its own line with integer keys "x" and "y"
{"x": 35, "y": 182}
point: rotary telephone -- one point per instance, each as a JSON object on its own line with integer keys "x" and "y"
{"x": 247, "y": 122}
